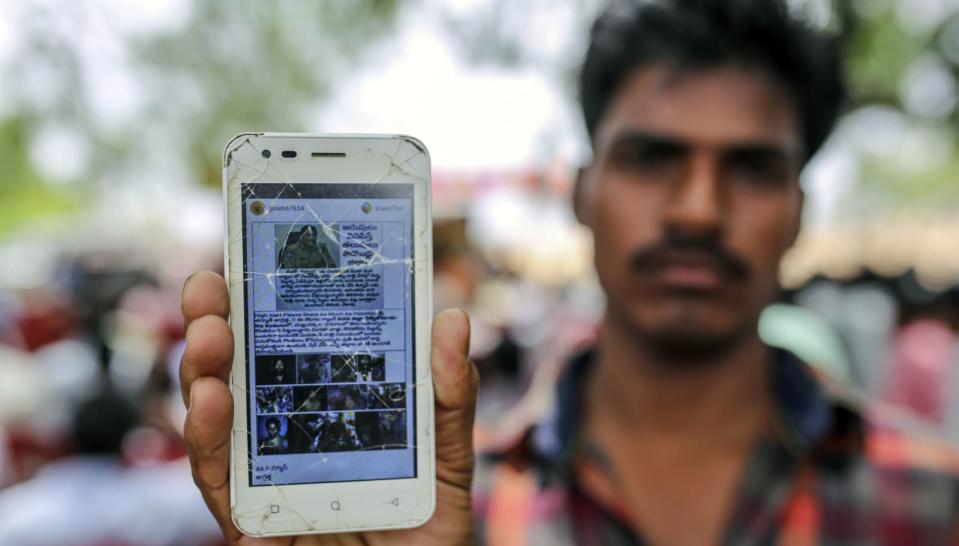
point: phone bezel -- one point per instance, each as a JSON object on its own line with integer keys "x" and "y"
{"x": 364, "y": 505}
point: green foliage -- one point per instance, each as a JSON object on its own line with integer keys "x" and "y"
{"x": 24, "y": 194}
{"x": 253, "y": 65}
{"x": 229, "y": 67}
{"x": 879, "y": 55}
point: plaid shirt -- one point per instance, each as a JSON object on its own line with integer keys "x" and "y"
{"x": 829, "y": 475}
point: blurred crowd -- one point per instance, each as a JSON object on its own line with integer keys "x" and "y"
{"x": 91, "y": 412}
{"x": 91, "y": 450}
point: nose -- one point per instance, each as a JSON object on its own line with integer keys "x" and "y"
{"x": 695, "y": 204}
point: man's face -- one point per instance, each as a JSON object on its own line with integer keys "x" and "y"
{"x": 309, "y": 238}
{"x": 272, "y": 429}
{"x": 278, "y": 368}
{"x": 693, "y": 197}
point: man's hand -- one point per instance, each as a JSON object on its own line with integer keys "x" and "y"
{"x": 203, "y": 380}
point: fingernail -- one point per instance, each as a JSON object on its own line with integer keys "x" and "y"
{"x": 182, "y": 289}
{"x": 191, "y": 399}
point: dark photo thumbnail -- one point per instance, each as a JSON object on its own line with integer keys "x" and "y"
{"x": 274, "y": 400}
{"x": 382, "y": 429}
{"x": 347, "y": 397}
{"x": 388, "y": 396}
{"x": 344, "y": 369}
{"x": 309, "y": 399}
{"x": 325, "y": 432}
{"x": 307, "y": 246}
{"x": 370, "y": 367}
{"x": 313, "y": 368}
{"x": 358, "y": 368}
{"x": 272, "y": 433}
{"x": 305, "y": 432}
{"x": 275, "y": 369}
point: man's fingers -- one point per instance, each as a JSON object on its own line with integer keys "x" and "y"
{"x": 209, "y": 352}
{"x": 207, "y": 434}
{"x": 455, "y": 381}
{"x": 203, "y": 374}
{"x": 204, "y": 293}
{"x": 205, "y": 303}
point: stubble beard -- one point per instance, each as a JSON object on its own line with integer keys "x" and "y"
{"x": 681, "y": 344}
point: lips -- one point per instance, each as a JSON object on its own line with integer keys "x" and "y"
{"x": 690, "y": 271}
{"x": 691, "y": 277}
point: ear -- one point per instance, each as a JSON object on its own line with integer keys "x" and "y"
{"x": 581, "y": 200}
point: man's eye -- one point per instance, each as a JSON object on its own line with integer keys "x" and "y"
{"x": 645, "y": 158}
{"x": 760, "y": 172}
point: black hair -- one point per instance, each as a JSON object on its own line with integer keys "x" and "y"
{"x": 702, "y": 34}
{"x": 274, "y": 420}
{"x": 102, "y": 422}
{"x": 308, "y": 227}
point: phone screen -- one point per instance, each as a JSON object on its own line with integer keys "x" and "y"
{"x": 328, "y": 286}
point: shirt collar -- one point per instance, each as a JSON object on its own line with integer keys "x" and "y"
{"x": 806, "y": 415}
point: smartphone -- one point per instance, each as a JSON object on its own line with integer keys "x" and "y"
{"x": 328, "y": 260}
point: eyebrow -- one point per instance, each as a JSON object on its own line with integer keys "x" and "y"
{"x": 745, "y": 148}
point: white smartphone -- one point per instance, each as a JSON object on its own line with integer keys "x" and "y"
{"x": 328, "y": 260}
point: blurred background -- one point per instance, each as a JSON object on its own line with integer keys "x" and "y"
{"x": 113, "y": 115}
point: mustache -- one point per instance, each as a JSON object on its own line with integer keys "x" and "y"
{"x": 657, "y": 256}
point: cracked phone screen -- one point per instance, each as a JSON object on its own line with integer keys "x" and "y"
{"x": 329, "y": 291}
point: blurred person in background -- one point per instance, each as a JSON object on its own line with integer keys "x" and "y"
{"x": 93, "y": 498}
{"x": 923, "y": 354}
{"x": 681, "y": 427}
{"x": 110, "y": 323}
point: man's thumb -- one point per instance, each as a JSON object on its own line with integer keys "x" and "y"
{"x": 455, "y": 382}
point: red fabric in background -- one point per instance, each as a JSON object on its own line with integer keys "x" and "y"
{"x": 44, "y": 322}
{"x": 923, "y": 356}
